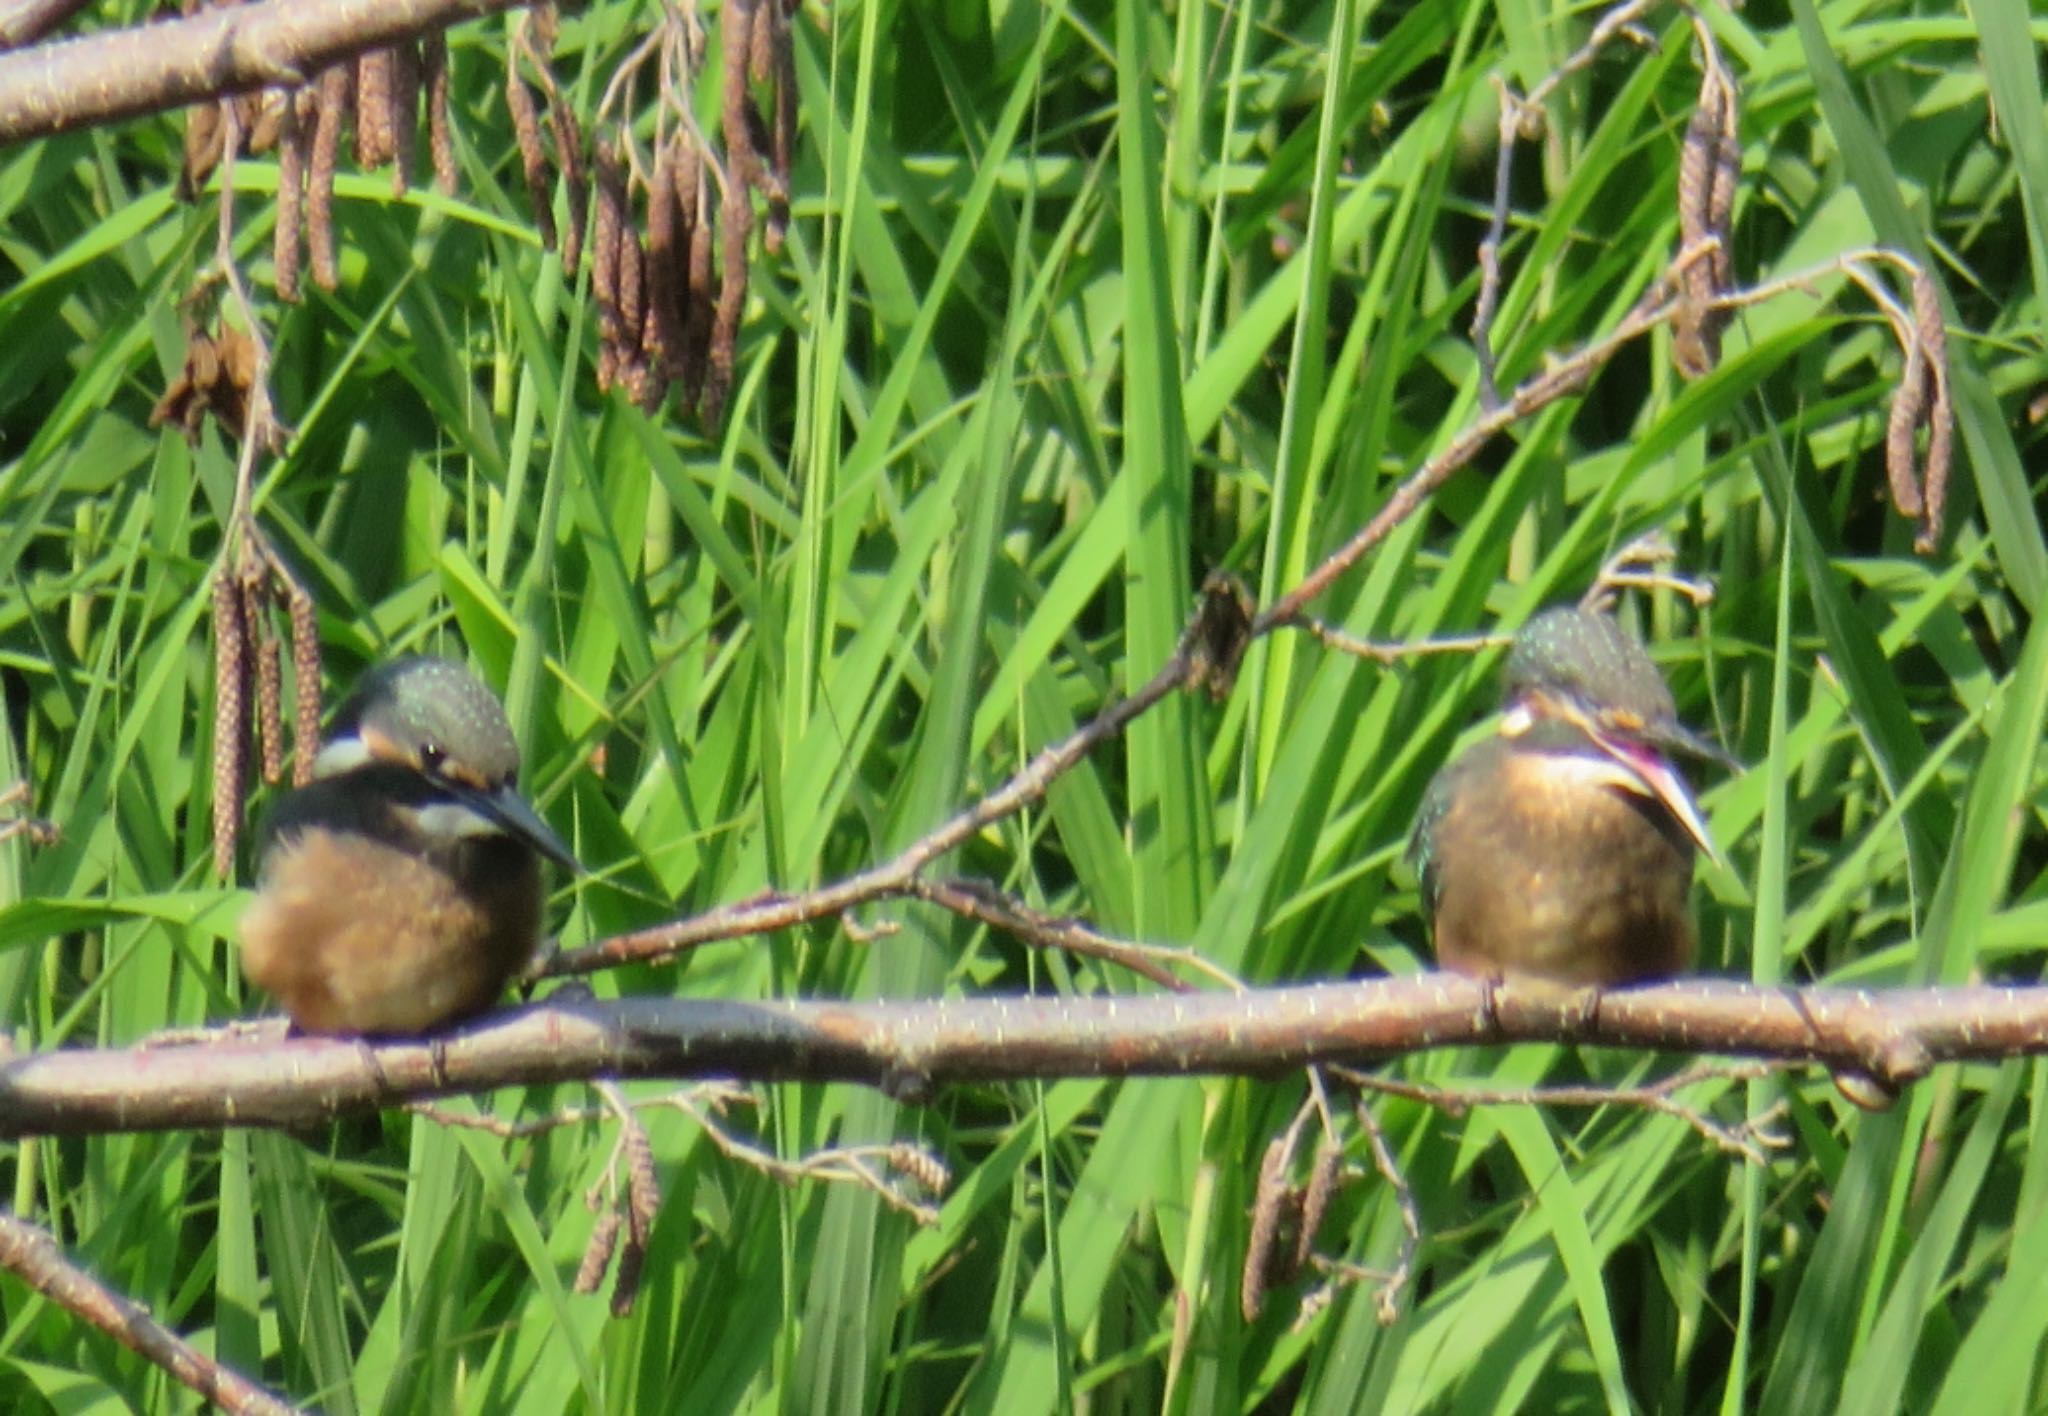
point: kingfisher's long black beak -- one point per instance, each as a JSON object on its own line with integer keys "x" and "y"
{"x": 1673, "y": 736}
{"x": 1638, "y": 749}
{"x": 506, "y": 808}
{"x": 1662, "y": 782}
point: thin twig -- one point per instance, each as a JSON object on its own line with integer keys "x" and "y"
{"x": 854, "y": 1164}
{"x": 1523, "y": 117}
{"x": 1567, "y": 375}
{"x": 1388, "y": 1298}
{"x": 978, "y": 901}
{"x": 1381, "y": 652}
{"x": 775, "y": 910}
{"x": 1749, "y": 1140}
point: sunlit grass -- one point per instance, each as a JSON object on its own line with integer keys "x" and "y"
{"x": 1082, "y": 302}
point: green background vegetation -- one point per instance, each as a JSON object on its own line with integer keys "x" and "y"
{"x": 1081, "y": 302}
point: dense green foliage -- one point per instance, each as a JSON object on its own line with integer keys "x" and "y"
{"x": 1080, "y": 303}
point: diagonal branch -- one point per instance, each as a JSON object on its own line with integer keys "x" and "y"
{"x": 32, "y": 1255}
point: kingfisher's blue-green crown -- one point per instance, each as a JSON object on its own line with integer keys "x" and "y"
{"x": 436, "y": 722}
{"x": 433, "y": 711}
{"x": 1588, "y": 659}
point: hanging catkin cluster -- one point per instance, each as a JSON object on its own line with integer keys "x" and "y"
{"x": 668, "y": 246}
{"x": 249, "y": 586}
{"x": 1709, "y": 173}
{"x": 668, "y": 252}
{"x": 376, "y": 95}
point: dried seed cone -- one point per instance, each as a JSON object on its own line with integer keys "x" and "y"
{"x": 1928, "y": 324}
{"x": 440, "y": 134}
{"x": 375, "y": 79}
{"x": 269, "y": 682}
{"x": 1902, "y": 426}
{"x": 666, "y": 268}
{"x": 922, "y": 1166}
{"x": 597, "y": 1254}
{"x": 1261, "y": 1252}
{"x": 736, "y": 114}
{"x": 736, "y": 214}
{"x": 405, "y": 113}
{"x": 643, "y": 1204}
{"x": 230, "y": 703}
{"x": 700, "y": 298}
{"x": 305, "y": 683}
{"x": 1322, "y": 1188}
{"x": 632, "y": 312}
{"x": 288, "y": 238}
{"x": 1726, "y": 177}
{"x": 1696, "y": 341}
{"x": 533, "y": 160}
{"x": 568, "y": 136}
{"x": 337, "y": 90}
{"x": 604, "y": 260}
{"x": 649, "y": 379}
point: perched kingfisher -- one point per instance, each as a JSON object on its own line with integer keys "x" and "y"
{"x": 401, "y": 888}
{"x": 1562, "y": 847}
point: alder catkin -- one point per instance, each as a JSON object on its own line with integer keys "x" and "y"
{"x": 230, "y": 675}
{"x": 288, "y": 236}
{"x": 532, "y": 159}
{"x": 665, "y": 267}
{"x": 337, "y": 87}
{"x": 440, "y": 135}
{"x": 305, "y": 682}
{"x": 374, "y": 139}
{"x": 568, "y": 136}
{"x": 269, "y": 653}
{"x": 405, "y": 113}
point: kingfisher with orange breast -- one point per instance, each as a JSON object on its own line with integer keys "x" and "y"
{"x": 1562, "y": 847}
{"x": 401, "y": 889}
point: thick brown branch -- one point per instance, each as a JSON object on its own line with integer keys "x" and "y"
{"x": 75, "y": 83}
{"x": 25, "y": 21}
{"x": 1891, "y": 1035}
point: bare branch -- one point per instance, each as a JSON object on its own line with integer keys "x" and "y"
{"x": 75, "y": 83}
{"x": 1748, "y": 1139}
{"x": 25, "y": 21}
{"x": 32, "y": 1255}
{"x": 1893, "y": 1036}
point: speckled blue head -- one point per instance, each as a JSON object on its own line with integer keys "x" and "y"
{"x": 437, "y": 718}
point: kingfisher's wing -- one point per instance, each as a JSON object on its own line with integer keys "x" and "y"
{"x": 356, "y": 803}
{"x": 1436, "y": 803}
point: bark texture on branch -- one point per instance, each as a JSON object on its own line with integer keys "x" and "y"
{"x": 1890, "y": 1036}
{"x": 32, "y": 1255}
{"x": 97, "y": 78}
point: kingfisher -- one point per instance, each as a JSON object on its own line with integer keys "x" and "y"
{"x": 401, "y": 888}
{"x": 1562, "y": 847}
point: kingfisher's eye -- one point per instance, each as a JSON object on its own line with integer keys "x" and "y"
{"x": 432, "y": 755}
